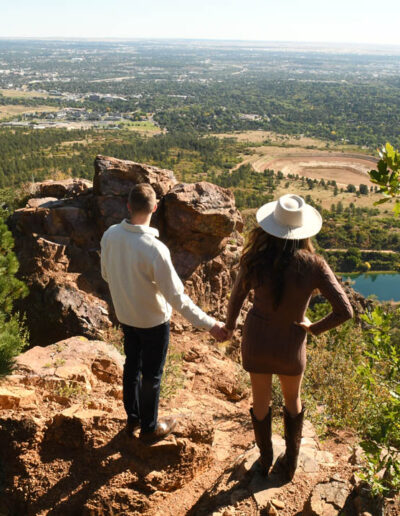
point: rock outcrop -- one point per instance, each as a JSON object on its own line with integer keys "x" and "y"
{"x": 63, "y": 448}
{"x": 57, "y": 241}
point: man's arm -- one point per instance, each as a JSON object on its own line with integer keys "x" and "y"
{"x": 170, "y": 285}
{"x": 102, "y": 259}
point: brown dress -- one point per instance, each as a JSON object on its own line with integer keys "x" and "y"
{"x": 271, "y": 341}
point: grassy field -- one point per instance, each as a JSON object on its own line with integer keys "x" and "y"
{"x": 11, "y": 111}
{"x": 145, "y": 127}
{"x": 23, "y": 94}
{"x": 258, "y": 138}
{"x": 326, "y": 197}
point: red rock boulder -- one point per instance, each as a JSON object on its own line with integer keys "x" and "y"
{"x": 116, "y": 176}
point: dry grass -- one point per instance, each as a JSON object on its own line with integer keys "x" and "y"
{"x": 23, "y": 94}
{"x": 261, "y": 136}
{"x": 144, "y": 127}
{"x": 10, "y": 111}
{"x": 326, "y": 198}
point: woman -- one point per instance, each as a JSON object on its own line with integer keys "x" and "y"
{"x": 280, "y": 265}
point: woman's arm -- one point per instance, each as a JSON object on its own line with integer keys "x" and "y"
{"x": 331, "y": 289}
{"x": 238, "y": 295}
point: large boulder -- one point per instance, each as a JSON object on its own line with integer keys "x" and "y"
{"x": 197, "y": 220}
{"x": 74, "y": 360}
{"x": 116, "y": 176}
{"x": 62, "y": 188}
{"x": 58, "y": 244}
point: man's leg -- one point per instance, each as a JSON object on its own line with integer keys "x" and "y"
{"x": 154, "y": 343}
{"x": 131, "y": 375}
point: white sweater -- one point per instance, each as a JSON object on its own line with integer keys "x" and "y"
{"x": 142, "y": 280}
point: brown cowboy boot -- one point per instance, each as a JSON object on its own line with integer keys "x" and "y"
{"x": 293, "y": 429}
{"x": 262, "y": 432}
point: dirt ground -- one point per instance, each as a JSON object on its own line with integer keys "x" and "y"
{"x": 344, "y": 168}
{"x": 106, "y": 477}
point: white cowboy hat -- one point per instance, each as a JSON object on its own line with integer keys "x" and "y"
{"x": 289, "y": 217}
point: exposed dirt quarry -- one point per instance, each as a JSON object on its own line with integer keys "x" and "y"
{"x": 343, "y": 168}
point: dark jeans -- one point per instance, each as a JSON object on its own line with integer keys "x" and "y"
{"x": 145, "y": 350}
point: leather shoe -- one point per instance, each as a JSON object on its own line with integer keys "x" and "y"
{"x": 164, "y": 427}
{"x": 131, "y": 427}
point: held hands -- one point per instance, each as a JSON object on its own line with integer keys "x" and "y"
{"x": 219, "y": 332}
{"x": 228, "y": 332}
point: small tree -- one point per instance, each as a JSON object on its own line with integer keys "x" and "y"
{"x": 351, "y": 188}
{"x": 13, "y": 335}
{"x": 363, "y": 189}
{"x": 387, "y": 176}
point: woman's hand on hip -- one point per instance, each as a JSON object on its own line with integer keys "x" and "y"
{"x": 305, "y": 324}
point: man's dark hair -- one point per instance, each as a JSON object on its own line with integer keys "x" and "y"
{"x": 142, "y": 198}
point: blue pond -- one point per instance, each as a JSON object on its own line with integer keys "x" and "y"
{"x": 385, "y": 286}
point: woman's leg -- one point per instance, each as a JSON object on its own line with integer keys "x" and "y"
{"x": 261, "y": 387}
{"x": 293, "y": 415}
{"x": 261, "y": 418}
{"x": 291, "y": 386}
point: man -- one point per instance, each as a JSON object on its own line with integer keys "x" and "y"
{"x": 144, "y": 286}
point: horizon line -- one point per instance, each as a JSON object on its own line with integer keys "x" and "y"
{"x": 182, "y": 39}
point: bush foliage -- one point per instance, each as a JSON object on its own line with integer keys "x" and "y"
{"x": 365, "y": 355}
{"x": 13, "y": 335}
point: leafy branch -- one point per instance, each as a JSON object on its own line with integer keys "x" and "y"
{"x": 387, "y": 175}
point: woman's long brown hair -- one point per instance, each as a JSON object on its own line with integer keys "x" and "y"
{"x": 266, "y": 256}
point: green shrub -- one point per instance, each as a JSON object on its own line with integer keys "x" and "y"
{"x": 13, "y": 335}
{"x": 353, "y": 380}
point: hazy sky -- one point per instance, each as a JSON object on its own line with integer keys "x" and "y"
{"x": 353, "y": 21}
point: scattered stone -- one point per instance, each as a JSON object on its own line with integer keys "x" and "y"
{"x": 246, "y": 462}
{"x": 231, "y": 389}
{"x": 18, "y": 429}
{"x": 271, "y": 510}
{"x": 277, "y": 503}
{"x": 264, "y": 489}
{"x": 106, "y": 369}
{"x": 13, "y": 397}
{"x": 115, "y": 392}
{"x": 176, "y": 327}
{"x": 327, "y": 499}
